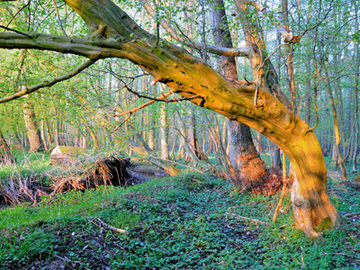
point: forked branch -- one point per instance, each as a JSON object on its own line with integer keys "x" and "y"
{"x": 28, "y": 90}
{"x": 242, "y": 51}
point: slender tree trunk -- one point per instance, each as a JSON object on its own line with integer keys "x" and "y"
{"x": 83, "y": 142}
{"x": 185, "y": 144}
{"x": 31, "y": 127}
{"x": 192, "y": 138}
{"x": 289, "y": 58}
{"x": 93, "y": 137}
{"x": 151, "y": 134}
{"x": 164, "y": 144}
{"x": 336, "y": 128}
{"x": 276, "y": 160}
{"x": 48, "y": 133}
{"x": 56, "y": 128}
{"x": 43, "y": 137}
{"x": 355, "y": 94}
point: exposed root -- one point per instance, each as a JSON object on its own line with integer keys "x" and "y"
{"x": 106, "y": 171}
{"x": 17, "y": 191}
{"x": 272, "y": 185}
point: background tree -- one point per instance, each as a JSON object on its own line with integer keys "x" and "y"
{"x": 113, "y": 35}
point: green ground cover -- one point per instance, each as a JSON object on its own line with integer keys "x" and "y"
{"x": 185, "y": 222}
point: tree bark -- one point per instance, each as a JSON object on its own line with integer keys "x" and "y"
{"x": 289, "y": 58}
{"x": 43, "y": 137}
{"x": 264, "y": 73}
{"x": 336, "y": 128}
{"x": 192, "y": 137}
{"x": 355, "y": 95}
{"x": 115, "y": 34}
{"x": 164, "y": 144}
{"x": 185, "y": 143}
{"x": 251, "y": 169}
{"x": 31, "y": 128}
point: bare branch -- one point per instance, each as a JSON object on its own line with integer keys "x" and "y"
{"x": 58, "y": 16}
{"x": 289, "y": 37}
{"x": 102, "y": 224}
{"x": 243, "y": 51}
{"x": 123, "y": 122}
{"x": 143, "y": 105}
{"x": 16, "y": 31}
{"x": 36, "y": 87}
{"x": 283, "y": 190}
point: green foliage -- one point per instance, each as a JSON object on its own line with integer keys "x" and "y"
{"x": 185, "y": 222}
{"x": 29, "y": 165}
{"x": 21, "y": 248}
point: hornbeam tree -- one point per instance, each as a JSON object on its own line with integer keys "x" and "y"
{"x": 114, "y": 34}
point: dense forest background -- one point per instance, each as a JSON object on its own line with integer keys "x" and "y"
{"x": 79, "y": 111}
{"x": 206, "y": 207}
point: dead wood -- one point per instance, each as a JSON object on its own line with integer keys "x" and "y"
{"x": 112, "y": 170}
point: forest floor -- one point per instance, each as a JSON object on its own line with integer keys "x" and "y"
{"x": 190, "y": 221}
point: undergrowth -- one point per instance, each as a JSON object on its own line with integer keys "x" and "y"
{"x": 28, "y": 166}
{"x": 184, "y": 222}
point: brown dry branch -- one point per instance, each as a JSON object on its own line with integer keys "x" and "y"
{"x": 17, "y": 190}
{"x": 102, "y": 225}
{"x": 112, "y": 228}
{"x": 283, "y": 190}
{"x": 143, "y": 105}
{"x": 351, "y": 214}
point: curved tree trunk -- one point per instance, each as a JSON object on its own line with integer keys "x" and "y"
{"x": 115, "y": 34}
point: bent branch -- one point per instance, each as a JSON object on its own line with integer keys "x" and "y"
{"x": 28, "y": 90}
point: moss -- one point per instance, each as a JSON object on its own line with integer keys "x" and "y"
{"x": 72, "y": 150}
{"x": 325, "y": 224}
{"x": 357, "y": 178}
